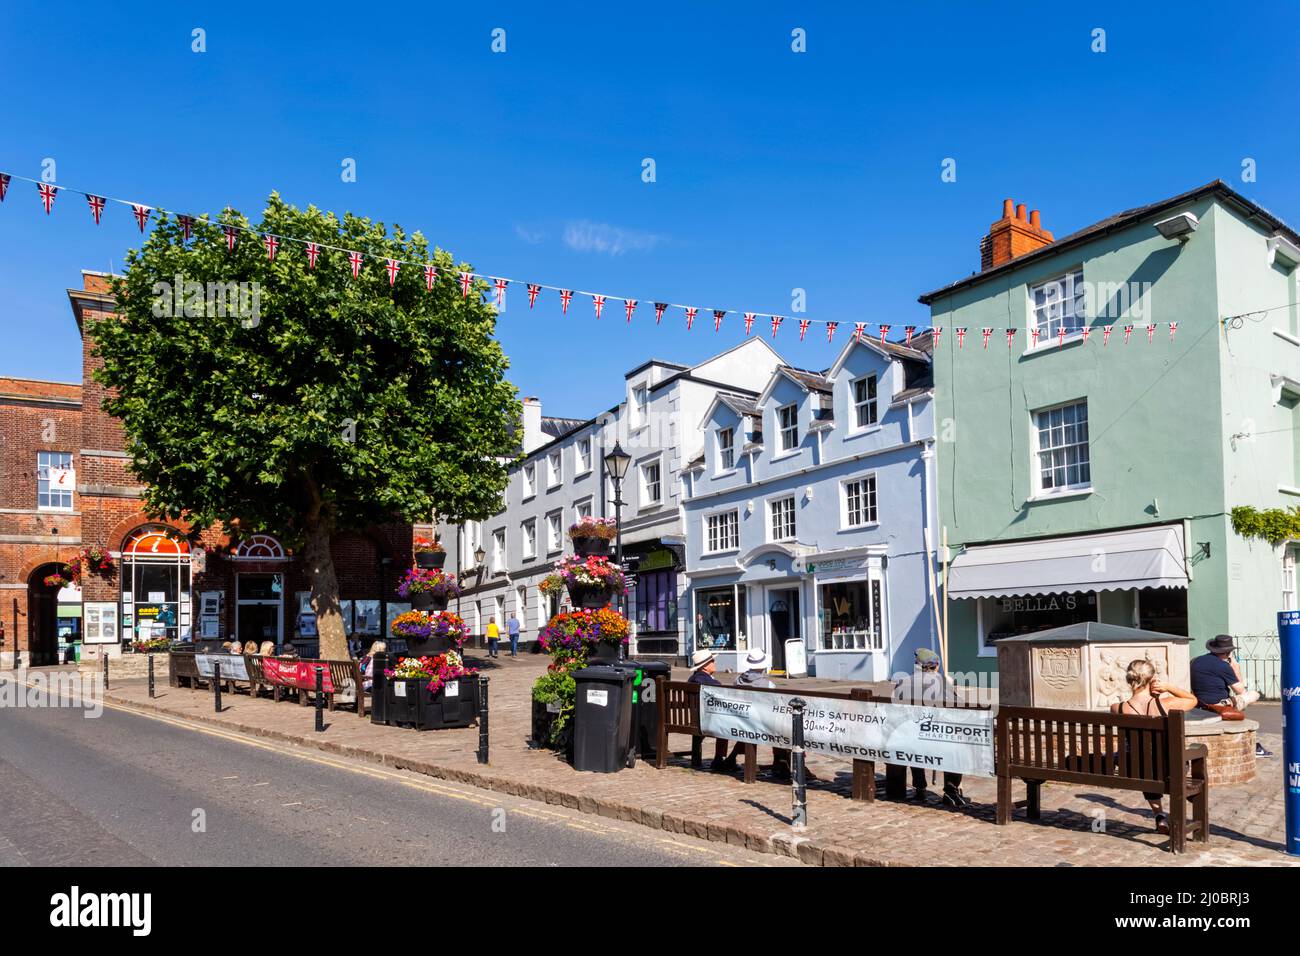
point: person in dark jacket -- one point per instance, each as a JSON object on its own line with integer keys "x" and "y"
{"x": 1217, "y": 681}
{"x": 927, "y": 686}
{"x": 703, "y": 667}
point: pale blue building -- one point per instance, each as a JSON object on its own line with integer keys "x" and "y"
{"x": 808, "y": 514}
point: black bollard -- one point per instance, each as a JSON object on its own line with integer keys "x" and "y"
{"x": 151, "y": 657}
{"x": 482, "y": 720}
{"x": 320, "y": 699}
{"x": 216, "y": 685}
{"x": 799, "y": 815}
{"x": 106, "y": 669}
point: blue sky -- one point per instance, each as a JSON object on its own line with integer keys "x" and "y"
{"x": 775, "y": 170}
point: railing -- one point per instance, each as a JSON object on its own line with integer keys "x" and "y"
{"x": 1259, "y": 656}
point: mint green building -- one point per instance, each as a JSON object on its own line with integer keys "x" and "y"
{"x": 1083, "y": 478}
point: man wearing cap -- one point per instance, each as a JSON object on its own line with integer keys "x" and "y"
{"x": 1217, "y": 681}
{"x": 703, "y": 665}
{"x": 927, "y": 685}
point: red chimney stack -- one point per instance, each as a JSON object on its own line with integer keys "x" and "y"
{"x": 1013, "y": 235}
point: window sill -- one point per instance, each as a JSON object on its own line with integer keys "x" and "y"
{"x": 718, "y": 554}
{"x": 1288, "y": 490}
{"x": 725, "y": 473}
{"x": 1059, "y": 496}
{"x": 582, "y": 474}
{"x": 791, "y": 453}
{"x": 870, "y": 525}
{"x": 528, "y": 497}
{"x": 1287, "y": 336}
{"x": 1050, "y": 345}
{"x": 859, "y": 432}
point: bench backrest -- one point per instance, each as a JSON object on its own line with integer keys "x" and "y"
{"x": 182, "y": 664}
{"x": 1089, "y": 747}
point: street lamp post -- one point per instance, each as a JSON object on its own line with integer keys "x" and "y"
{"x": 479, "y": 555}
{"x": 616, "y": 463}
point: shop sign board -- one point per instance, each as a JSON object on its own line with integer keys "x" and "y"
{"x": 948, "y": 739}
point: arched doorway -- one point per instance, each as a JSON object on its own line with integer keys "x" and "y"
{"x": 53, "y": 615}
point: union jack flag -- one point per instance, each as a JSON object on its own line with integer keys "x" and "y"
{"x": 187, "y": 226}
{"x": 690, "y": 317}
{"x": 1035, "y": 333}
{"x": 1173, "y": 327}
{"x": 272, "y": 245}
{"x": 909, "y": 331}
{"x": 500, "y": 286}
{"x": 1151, "y": 333}
{"x": 717, "y": 319}
{"x": 803, "y": 328}
{"x": 659, "y": 311}
{"x": 830, "y": 330}
{"x": 354, "y": 260}
{"x": 776, "y": 324}
{"x": 599, "y": 302}
{"x": 884, "y": 330}
{"x": 749, "y": 321}
{"x": 1011, "y": 336}
{"x": 430, "y": 277}
{"x": 392, "y": 265}
{"x": 48, "y": 193}
{"x": 859, "y": 330}
{"x": 533, "y": 289}
{"x": 1084, "y": 332}
{"x": 1128, "y": 331}
{"x": 565, "y": 296}
{"x": 466, "y": 280}
{"x": 935, "y": 333}
{"x": 961, "y": 337}
{"x": 629, "y": 306}
{"x": 141, "y": 214}
{"x": 1060, "y": 336}
{"x": 97, "y": 207}
{"x": 986, "y": 332}
{"x": 313, "y": 253}
{"x": 4, "y": 185}
{"x": 1105, "y": 335}
{"x": 230, "y": 238}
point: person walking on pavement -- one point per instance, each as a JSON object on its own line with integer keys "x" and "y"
{"x": 493, "y": 637}
{"x": 512, "y": 628}
{"x": 927, "y": 685}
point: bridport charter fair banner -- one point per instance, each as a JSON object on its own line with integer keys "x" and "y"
{"x": 935, "y": 738}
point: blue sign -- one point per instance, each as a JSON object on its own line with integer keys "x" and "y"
{"x": 1288, "y": 631}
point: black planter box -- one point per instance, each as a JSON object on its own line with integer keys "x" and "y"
{"x": 424, "y": 601}
{"x": 408, "y": 703}
{"x": 430, "y": 559}
{"x": 430, "y": 647}
{"x": 590, "y": 546}
{"x": 590, "y": 596}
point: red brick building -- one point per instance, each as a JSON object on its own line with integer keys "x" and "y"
{"x": 65, "y": 486}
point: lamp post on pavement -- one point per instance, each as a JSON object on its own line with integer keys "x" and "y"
{"x": 616, "y": 463}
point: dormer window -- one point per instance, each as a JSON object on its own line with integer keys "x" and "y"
{"x": 726, "y": 449}
{"x": 864, "y": 402}
{"x": 787, "y": 417}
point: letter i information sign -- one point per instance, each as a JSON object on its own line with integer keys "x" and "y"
{"x": 1288, "y": 631}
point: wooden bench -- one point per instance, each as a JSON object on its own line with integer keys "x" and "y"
{"x": 1099, "y": 749}
{"x": 182, "y": 669}
{"x": 344, "y": 679}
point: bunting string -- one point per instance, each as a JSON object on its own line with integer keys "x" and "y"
{"x": 143, "y": 214}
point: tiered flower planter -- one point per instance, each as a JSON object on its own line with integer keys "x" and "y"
{"x": 408, "y": 703}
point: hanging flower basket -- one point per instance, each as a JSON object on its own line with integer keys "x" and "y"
{"x": 592, "y": 581}
{"x": 428, "y": 588}
{"x": 592, "y": 535}
{"x": 56, "y": 581}
{"x": 435, "y": 633}
{"x": 429, "y": 553}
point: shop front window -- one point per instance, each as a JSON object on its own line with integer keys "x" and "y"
{"x": 851, "y": 616}
{"x": 720, "y": 618}
{"x": 656, "y": 601}
{"x": 1163, "y": 610}
{"x": 1009, "y": 616}
{"x": 156, "y": 586}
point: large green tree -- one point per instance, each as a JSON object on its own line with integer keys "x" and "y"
{"x": 267, "y": 396}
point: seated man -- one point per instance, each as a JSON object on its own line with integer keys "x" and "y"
{"x": 926, "y": 685}
{"x": 755, "y": 676}
{"x": 702, "y": 667}
{"x": 1217, "y": 681}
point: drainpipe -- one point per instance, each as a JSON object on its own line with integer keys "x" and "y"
{"x": 927, "y": 456}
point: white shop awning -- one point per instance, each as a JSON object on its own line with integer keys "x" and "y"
{"x": 1154, "y": 557}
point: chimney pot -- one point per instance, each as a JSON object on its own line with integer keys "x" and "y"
{"x": 1033, "y": 219}
{"x": 1020, "y": 211}
{"x": 1008, "y": 205}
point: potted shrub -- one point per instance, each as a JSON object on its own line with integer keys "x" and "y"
{"x": 428, "y": 588}
{"x": 431, "y": 692}
{"x": 592, "y": 535}
{"x": 430, "y": 633}
{"x": 429, "y": 553}
{"x": 554, "y": 699}
{"x": 592, "y": 581}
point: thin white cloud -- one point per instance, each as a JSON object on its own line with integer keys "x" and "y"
{"x": 586, "y": 236}
{"x": 530, "y": 235}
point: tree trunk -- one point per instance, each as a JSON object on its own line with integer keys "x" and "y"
{"x": 325, "y": 594}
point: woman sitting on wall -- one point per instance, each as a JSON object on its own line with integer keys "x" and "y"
{"x": 1152, "y": 697}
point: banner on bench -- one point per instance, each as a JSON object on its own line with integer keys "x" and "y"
{"x": 933, "y": 738}
{"x": 233, "y": 666}
{"x": 300, "y": 674}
